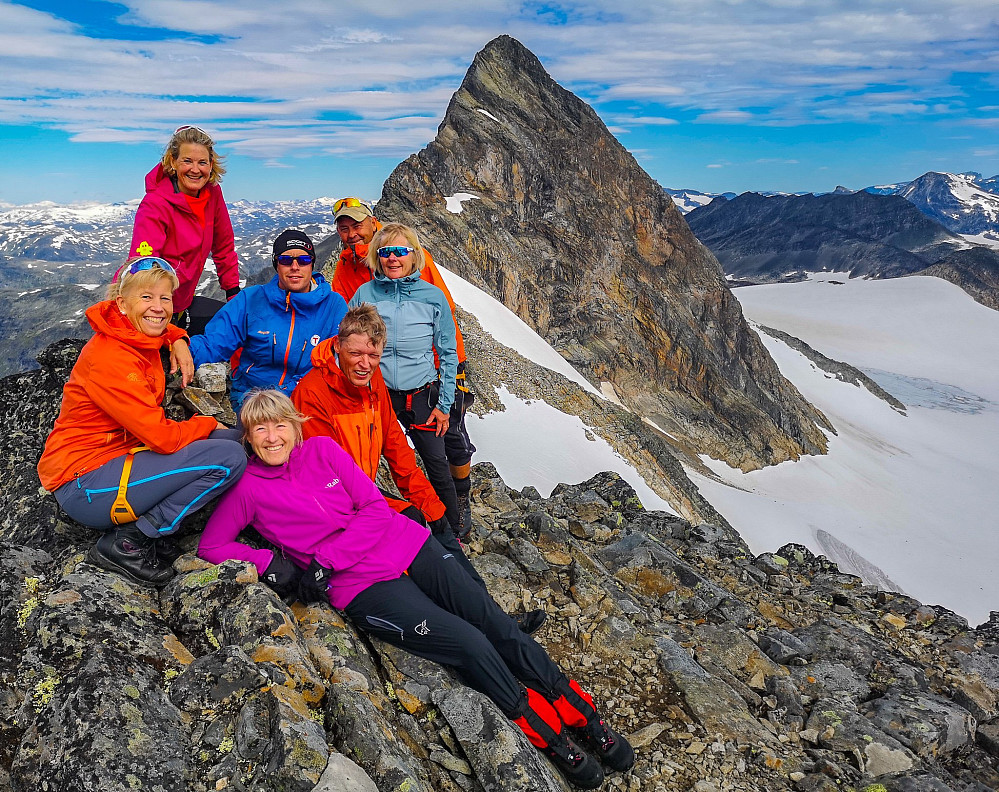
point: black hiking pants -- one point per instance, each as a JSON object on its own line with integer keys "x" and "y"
{"x": 438, "y": 612}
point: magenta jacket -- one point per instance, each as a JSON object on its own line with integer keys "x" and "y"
{"x": 165, "y": 226}
{"x": 320, "y": 505}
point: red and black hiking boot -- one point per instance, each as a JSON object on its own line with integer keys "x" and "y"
{"x": 540, "y": 722}
{"x": 575, "y": 707}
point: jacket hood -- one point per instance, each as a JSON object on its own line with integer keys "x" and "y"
{"x": 107, "y": 320}
{"x": 395, "y": 285}
{"x": 155, "y": 177}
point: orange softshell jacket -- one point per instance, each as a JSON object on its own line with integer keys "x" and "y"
{"x": 111, "y": 403}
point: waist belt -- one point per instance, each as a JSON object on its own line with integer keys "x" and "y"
{"x": 409, "y": 394}
{"x": 121, "y": 509}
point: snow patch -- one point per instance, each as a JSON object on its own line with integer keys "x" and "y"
{"x": 453, "y": 203}
{"x": 487, "y": 114}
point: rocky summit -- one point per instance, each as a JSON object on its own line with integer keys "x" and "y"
{"x": 728, "y": 672}
{"x": 526, "y": 193}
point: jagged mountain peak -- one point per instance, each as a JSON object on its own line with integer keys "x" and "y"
{"x": 568, "y": 231}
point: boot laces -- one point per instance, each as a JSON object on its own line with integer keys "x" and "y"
{"x": 598, "y": 731}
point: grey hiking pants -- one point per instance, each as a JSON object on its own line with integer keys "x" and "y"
{"x": 162, "y": 488}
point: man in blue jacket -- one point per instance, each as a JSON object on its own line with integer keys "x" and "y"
{"x": 277, "y": 324}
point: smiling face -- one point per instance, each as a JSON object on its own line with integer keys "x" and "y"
{"x": 294, "y": 277}
{"x": 358, "y": 357}
{"x": 194, "y": 168}
{"x": 353, "y": 232}
{"x": 148, "y": 308}
{"x": 273, "y": 441}
{"x": 397, "y": 266}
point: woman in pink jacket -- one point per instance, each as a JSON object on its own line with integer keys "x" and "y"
{"x": 340, "y": 541}
{"x": 183, "y": 219}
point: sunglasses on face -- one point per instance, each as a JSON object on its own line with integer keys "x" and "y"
{"x": 287, "y": 261}
{"x": 148, "y": 263}
{"x": 394, "y": 250}
{"x": 350, "y": 203}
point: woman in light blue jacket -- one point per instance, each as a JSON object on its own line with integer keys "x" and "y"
{"x": 420, "y": 324}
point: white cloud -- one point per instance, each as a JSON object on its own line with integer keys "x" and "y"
{"x": 275, "y": 80}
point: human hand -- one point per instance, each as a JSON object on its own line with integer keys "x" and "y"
{"x": 181, "y": 358}
{"x": 313, "y": 583}
{"x": 283, "y": 576}
{"x": 442, "y": 420}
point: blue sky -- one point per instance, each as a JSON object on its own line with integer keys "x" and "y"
{"x": 308, "y": 99}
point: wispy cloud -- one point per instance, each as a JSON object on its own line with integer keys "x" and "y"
{"x": 274, "y": 81}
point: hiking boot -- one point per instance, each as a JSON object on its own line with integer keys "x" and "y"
{"x": 609, "y": 747}
{"x": 531, "y": 621}
{"x": 465, "y": 513}
{"x": 130, "y": 553}
{"x": 168, "y": 549}
{"x": 542, "y": 726}
{"x": 579, "y": 768}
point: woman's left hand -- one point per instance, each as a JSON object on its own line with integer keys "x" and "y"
{"x": 180, "y": 357}
{"x": 441, "y": 419}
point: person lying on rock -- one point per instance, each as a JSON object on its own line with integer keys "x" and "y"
{"x": 344, "y": 397}
{"x": 276, "y": 324}
{"x": 395, "y": 581}
{"x": 113, "y": 460}
{"x": 357, "y": 226}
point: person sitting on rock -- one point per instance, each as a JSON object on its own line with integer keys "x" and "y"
{"x": 344, "y": 397}
{"x": 277, "y": 324}
{"x": 356, "y": 226}
{"x": 341, "y": 543}
{"x": 113, "y": 460}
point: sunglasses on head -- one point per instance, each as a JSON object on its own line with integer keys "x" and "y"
{"x": 183, "y": 127}
{"x": 148, "y": 263}
{"x": 350, "y": 203}
{"x": 287, "y": 261}
{"x": 394, "y": 250}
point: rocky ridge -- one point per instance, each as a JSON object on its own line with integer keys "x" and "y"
{"x": 563, "y": 226}
{"x": 727, "y": 671}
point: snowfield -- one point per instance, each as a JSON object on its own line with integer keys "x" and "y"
{"x": 908, "y": 502}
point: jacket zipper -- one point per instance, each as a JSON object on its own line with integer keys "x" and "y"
{"x": 291, "y": 332}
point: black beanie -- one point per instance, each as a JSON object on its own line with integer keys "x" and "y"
{"x": 292, "y": 239}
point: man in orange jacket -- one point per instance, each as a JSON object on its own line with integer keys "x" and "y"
{"x": 345, "y": 397}
{"x": 356, "y": 224}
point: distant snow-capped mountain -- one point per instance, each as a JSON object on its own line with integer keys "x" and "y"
{"x": 688, "y": 200}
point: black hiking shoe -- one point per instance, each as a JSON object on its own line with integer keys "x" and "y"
{"x": 465, "y": 513}
{"x": 130, "y": 553}
{"x": 579, "y": 768}
{"x": 607, "y": 745}
{"x": 531, "y": 621}
{"x": 168, "y": 549}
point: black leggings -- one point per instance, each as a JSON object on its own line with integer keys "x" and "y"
{"x": 413, "y": 412}
{"x": 438, "y": 612}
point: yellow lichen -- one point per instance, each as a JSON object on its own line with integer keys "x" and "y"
{"x": 45, "y": 689}
{"x": 25, "y": 612}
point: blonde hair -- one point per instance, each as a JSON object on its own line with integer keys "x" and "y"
{"x": 263, "y": 406}
{"x": 364, "y": 319}
{"x": 143, "y": 279}
{"x": 192, "y": 134}
{"x": 390, "y": 231}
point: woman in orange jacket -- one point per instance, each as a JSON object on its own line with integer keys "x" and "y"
{"x": 113, "y": 460}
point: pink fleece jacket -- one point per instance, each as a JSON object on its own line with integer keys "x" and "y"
{"x": 320, "y": 505}
{"x": 166, "y": 226}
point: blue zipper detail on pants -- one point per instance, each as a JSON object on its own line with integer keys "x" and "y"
{"x": 374, "y": 621}
{"x": 183, "y": 513}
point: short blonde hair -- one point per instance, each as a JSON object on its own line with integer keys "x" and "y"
{"x": 384, "y": 236}
{"x": 263, "y": 406}
{"x": 192, "y": 134}
{"x": 126, "y": 281}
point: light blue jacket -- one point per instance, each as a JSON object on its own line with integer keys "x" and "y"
{"x": 419, "y": 321}
{"x": 277, "y": 330}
